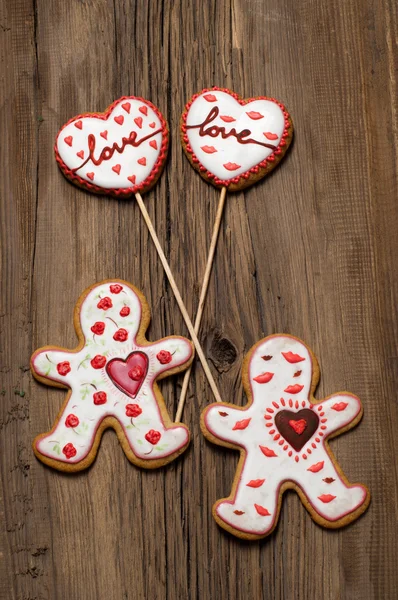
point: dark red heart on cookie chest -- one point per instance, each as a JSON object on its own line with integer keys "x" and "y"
{"x": 297, "y": 427}
{"x": 128, "y": 375}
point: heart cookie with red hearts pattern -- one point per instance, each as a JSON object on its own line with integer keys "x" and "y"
{"x": 234, "y": 142}
{"x": 119, "y": 152}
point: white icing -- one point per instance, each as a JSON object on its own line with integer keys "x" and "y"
{"x": 81, "y": 380}
{"x": 104, "y": 176}
{"x": 278, "y": 469}
{"x": 229, "y": 150}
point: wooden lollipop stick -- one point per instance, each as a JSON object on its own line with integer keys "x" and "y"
{"x": 177, "y": 294}
{"x": 203, "y": 294}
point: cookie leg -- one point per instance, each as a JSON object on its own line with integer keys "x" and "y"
{"x": 328, "y": 494}
{"x": 148, "y": 436}
{"x": 72, "y": 437}
{"x": 254, "y": 508}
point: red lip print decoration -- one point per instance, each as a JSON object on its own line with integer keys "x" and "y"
{"x": 339, "y": 406}
{"x": 316, "y": 467}
{"x": 292, "y": 358}
{"x": 251, "y": 136}
{"x": 295, "y": 439}
{"x": 326, "y": 498}
{"x": 255, "y": 483}
{"x": 209, "y": 149}
{"x": 255, "y": 115}
{"x": 267, "y": 452}
{"x": 241, "y": 424}
{"x": 262, "y": 511}
{"x": 119, "y": 371}
{"x": 231, "y": 166}
{"x": 129, "y": 138}
{"x": 294, "y": 389}
{"x": 264, "y": 377}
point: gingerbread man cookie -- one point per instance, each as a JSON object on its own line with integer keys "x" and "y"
{"x": 112, "y": 379}
{"x": 119, "y": 152}
{"x": 234, "y": 142}
{"x": 282, "y": 434}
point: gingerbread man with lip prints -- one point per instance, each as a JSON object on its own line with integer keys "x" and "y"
{"x": 112, "y": 379}
{"x": 282, "y": 435}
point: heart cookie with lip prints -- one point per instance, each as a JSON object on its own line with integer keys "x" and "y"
{"x": 234, "y": 142}
{"x": 119, "y": 152}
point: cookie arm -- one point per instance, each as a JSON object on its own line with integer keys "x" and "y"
{"x": 171, "y": 353}
{"x": 338, "y": 411}
{"x": 54, "y": 365}
{"x": 227, "y": 422}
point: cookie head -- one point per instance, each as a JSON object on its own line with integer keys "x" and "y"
{"x": 280, "y": 366}
{"x": 234, "y": 142}
{"x": 119, "y": 152}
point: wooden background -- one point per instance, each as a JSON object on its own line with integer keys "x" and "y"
{"x": 311, "y": 250}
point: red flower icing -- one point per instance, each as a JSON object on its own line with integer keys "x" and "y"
{"x": 316, "y": 467}
{"x": 63, "y": 368}
{"x": 98, "y": 328}
{"x": 100, "y": 398}
{"x": 241, "y": 424}
{"x": 69, "y": 450}
{"x": 255, "y": 483}
{"x": 164, "y": 357}
{"x": 326, "y": 498}
{"x": 153, "y": 437}
{"x": 136, "y": 373}
{"x": 120, "y": 335}
{"x": 267, "y": 451}
{"x": 292, "y": 358}
{"x": 125, "y": 311}
{"x": 115, "y": 288}
{"x": 98, "y": 362}
{"x": 133, "y": 410}
{"x": 71, "y": 421}
{"x": 264, "y": 377}
{"x": 339, "y": 406}
{"x": 105, "y": 303}
{"x": 262, "y": 511}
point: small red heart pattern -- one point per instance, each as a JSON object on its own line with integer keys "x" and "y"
{"x": 231, "y": 141}
{"x": 119, "y": 152}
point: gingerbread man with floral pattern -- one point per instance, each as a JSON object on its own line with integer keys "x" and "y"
{"x": 282, "y": 435}
{"x": 112, "y": 380}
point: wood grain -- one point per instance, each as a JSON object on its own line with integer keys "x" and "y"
{"x": 311, "y": 251}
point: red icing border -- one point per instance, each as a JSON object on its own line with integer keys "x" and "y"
{"x": 118, "y": 192}
{"x": 242, "y": 102}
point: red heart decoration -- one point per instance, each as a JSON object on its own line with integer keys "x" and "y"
{"x": 120, "y": 372}
{"x": 297, "y": 427}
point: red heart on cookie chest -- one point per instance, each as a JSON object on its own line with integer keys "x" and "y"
{"x": 114, "y": 146}
{"x": 128, "y": 375}
{"x": 297, "y": 427}
{"x": 229, "y": 139}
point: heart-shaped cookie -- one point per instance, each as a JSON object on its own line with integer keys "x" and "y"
{"x": 297, "y": 427}
{"x": 234, "y": 142}
{"x": 119, "y": 152}
{"x": 128, "y": 375}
